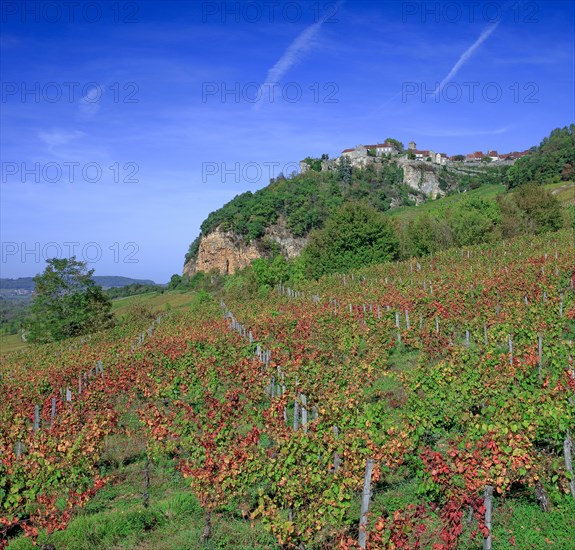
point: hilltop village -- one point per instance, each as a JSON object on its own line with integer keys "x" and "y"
{"x": 361, "y": 155}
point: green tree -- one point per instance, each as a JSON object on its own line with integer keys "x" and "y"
{"x": 345, "y": 169}
{"x": 474, "y": 221}
{"x": 426, "y": 234}
{"x": 313, "y": 163}
{"x": 530, "y": 209}
{"x": 542, "y": 209}
{"x": 398, "y": 144}
{"x": 67, "y": 303}
{"x": 549, "y": 162}
{"x": 355, "y": 235}
{"x": 175, "y": 281}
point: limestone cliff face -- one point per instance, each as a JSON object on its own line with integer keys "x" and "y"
{"x": 419, "y": 175}
{"x": 422, "y": 176}
{"x": 227, "y": 252}
{"x": 222, "y": 251}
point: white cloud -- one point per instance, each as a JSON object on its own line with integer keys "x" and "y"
{"x": 292, "y": 55}
{"x": 89, "y": 105}
{"x": 466, "y": 55}
{"x": 57, "y": 138}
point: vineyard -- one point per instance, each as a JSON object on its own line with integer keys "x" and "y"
{"x": 395, "y": 407}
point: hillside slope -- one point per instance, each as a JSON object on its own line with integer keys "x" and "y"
{"x": 280, "y": 217}
{"x": 215, "y": 427}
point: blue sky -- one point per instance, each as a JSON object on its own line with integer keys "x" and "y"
{"x": 124, "y": 124}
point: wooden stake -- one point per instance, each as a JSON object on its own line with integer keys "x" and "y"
{"x": 296, "y": 414}
{"x": 335, "y": 455}
{"x": 567, "y": 452}
{"x": 303, "y": 399}
{"x": 510, "y": 349}
{"x": 488, "y": 503}
{"x": 36, "y": 418}
{"x": 365, "y": 498}
{"x": 53, "y": 411}
{"x": 540, "y": 349}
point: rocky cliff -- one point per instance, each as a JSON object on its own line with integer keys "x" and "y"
{"x": 422, "y": 176}
{"x": 227, "y": 252}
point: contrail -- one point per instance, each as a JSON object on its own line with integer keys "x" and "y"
{"x": 466, "y": 55}
{"x": 293, "y": 53}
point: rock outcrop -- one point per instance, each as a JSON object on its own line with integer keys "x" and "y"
{"x": 227, "y": 252}
{"x": 222, "y": 251}
{"x": 422, "y": 176}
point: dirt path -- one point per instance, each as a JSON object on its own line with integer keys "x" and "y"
{"x": 562, "y": 188}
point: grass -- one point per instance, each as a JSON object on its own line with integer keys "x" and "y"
{"x": 117, "y": 519}
{"x": 435, "y": 206}
{"x": 11, "y": 342}
{"x": 522, "y": 525}
{"x": 156, "y": 300}
{"x": 563, "y": 191}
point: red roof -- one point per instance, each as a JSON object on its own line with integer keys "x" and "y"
{"x": 514, "y": 155}
{"x": 348, "y": 150}
{"x": 493, "y": 154}
{"x": 476, "y": 155}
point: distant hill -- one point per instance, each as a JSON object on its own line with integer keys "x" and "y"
{"x": 105, "y": 281}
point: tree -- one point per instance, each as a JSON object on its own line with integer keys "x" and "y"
{"x": 530, "y": 209}
{"x": 313, "y": 163}
{"x": 175, "y": 281}
{"x": 355, "y": 235}
{"x": 548, "y": 162}
{"x": 67, "y": 303}
{"x": 542, "y": 209}
{"x": 345, "y": 169}
{"x": 426, "y": 234}
{"x": 473, "y": 221}
{"x": 398, "y": 144}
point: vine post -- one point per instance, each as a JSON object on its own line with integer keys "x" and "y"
{"x": 365, "y": 497}
{"x": 488, "y": 503}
